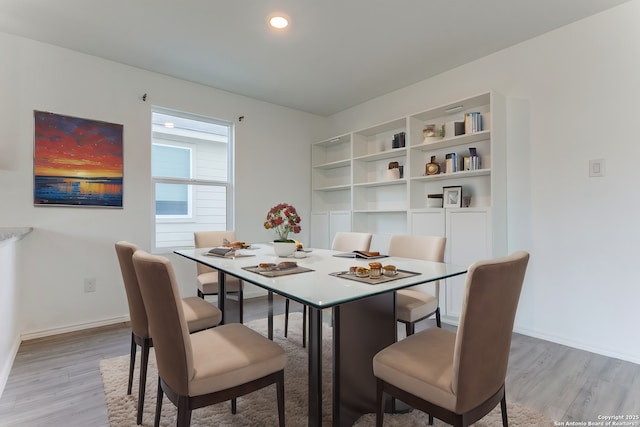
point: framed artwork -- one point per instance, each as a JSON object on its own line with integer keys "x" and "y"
{"x": 452, "y": 197}
{"x": 76, "y": 162}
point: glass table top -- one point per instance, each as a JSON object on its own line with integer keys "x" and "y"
{"x": 318, "y": 288}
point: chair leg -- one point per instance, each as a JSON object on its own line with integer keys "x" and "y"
{"x": 410, "y": 328}
{"x": 132, "y": 362}
{"x": 144, "y": 361}
{"x": 379, "y": 403}
{"x": 184, "y": 413}
{"x": 159, "y": 397}
{"x": 286, "y": 317}
{"x": 430, "y": 419}
{"x": 304, "y": 326}
{"x": 438, "y": 322}
{"x": 200, "y": 294}
{"x": 280, "y": 393}
{"x": 241, "y": 302}
{"x": 234, "y": 406}
{"x": 503, "y": 407}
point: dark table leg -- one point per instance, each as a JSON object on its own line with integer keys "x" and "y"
{"x": 315, "y": 367}
{"x": 230, "y": 307}
{"x": 360, "y": 330}
{"x": 222, "y": 296}
{"x": 270, "y": 315}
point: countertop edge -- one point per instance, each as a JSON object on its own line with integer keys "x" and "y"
{"x": 7, "y": 233}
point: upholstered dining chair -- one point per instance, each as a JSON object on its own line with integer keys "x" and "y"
{"x": 343, "y": 241}
{"x": 209, "y": 366}
{"x": 417, "y": 303}
{"x": 459, "y": 377}
{"x": 208, "y": 277}
{"x": 199, "y": 315}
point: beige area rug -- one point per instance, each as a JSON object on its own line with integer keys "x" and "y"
{"x": 259, "y": 408}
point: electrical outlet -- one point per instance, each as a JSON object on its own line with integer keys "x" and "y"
{"x": 596, "y": 168}
{"x": 90, "y": 284}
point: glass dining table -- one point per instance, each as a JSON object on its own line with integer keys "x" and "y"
{"x": 364, "y": 320}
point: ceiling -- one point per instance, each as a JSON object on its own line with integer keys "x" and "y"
{"x": 334, "y": 55}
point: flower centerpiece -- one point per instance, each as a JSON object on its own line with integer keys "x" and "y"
{"x": 284, "y": 219}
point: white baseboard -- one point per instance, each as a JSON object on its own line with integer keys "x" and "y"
{"x": 73, "y": 328}
{"x": 8, "y": 364}
{"x": 633, "y": 358}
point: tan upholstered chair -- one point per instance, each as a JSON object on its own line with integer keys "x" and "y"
{"x": 206, "y": 367}
{"x": 417, "y": 303}
{"x": 208, "y": 277}
{"x": 199, "y": 315}
{"x": 459, "y": 378}
{"x": 348, "y": 241}
{"x": 344, "y": 241}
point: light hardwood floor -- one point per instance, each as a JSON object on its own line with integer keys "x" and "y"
{"x": 55, "y": 381}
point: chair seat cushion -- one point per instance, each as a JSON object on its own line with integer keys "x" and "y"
{"x": 421, "y": 364}
{"x": 208, "y": 283}
{"x": 413, "y": 305}
{"x": 200, "y": 314}
{"x": 231, "y": 355}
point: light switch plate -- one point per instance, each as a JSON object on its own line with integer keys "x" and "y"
{"x": 596, "y": 167}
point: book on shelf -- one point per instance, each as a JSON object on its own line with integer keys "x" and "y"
{"x": 361, "y": 254}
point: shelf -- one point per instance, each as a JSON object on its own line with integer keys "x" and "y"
{"x": 462, "y": 105}
{"x": 384, "y": 127}
{"x": 334, "y": 188}
{"x": 380, "y": 183}
{"x": 369, "y": 211}
{"x": 469, "y": 138}
{"x": 343, "y": 139}
{"x": 333, "y": 165}
{"x": 453, "y": 175}
{"x": 388, "y": 154}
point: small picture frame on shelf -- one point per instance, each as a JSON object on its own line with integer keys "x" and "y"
{"x": 452, "y": 196}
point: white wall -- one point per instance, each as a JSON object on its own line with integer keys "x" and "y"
{"x": 576, "y": 86}
{"x": 70, "y": 244}
{"x": 9, "y": 320}
{"x": 578, "y": 90}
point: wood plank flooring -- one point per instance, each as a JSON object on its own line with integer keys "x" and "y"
{"x": 55, "y": 381}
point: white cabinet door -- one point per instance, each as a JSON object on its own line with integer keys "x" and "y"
{"x": 338, "y": 221}
{"x": 325, "y": 225}
{"x": 319, "y": 232}
{"x": 468, "y": 234}
{"x": 427, "y": 222}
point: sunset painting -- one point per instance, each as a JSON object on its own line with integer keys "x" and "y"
{"x": 77, "y": 162}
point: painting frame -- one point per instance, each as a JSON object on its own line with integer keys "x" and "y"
{"x": 77, "y": 162}
{"x": 452, "y": 196}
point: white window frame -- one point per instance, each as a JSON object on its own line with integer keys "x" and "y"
{"x": 183, "y": 141}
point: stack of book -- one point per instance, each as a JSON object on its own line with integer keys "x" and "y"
{"x": 472, "y": 122}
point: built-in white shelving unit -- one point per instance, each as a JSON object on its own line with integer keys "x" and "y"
{"x": 353, "y": 190}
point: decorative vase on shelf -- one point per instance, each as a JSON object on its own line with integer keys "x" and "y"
{"x": 284, "y": 249}
{"x": 433, "y": 167}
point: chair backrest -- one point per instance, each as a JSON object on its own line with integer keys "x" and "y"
{"x": 483, "y": 340}
{"x": 428, "y": 248}
{"x": 137, "y": 312}
{"x": 210, "y": 239}
{"x": 171, "y": 340}
{"x": 348, "y": 241}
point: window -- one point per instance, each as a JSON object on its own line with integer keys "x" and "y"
{"x": 192, "y": 177}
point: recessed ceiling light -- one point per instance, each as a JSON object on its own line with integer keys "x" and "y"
{"x": 279, "y": 22}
